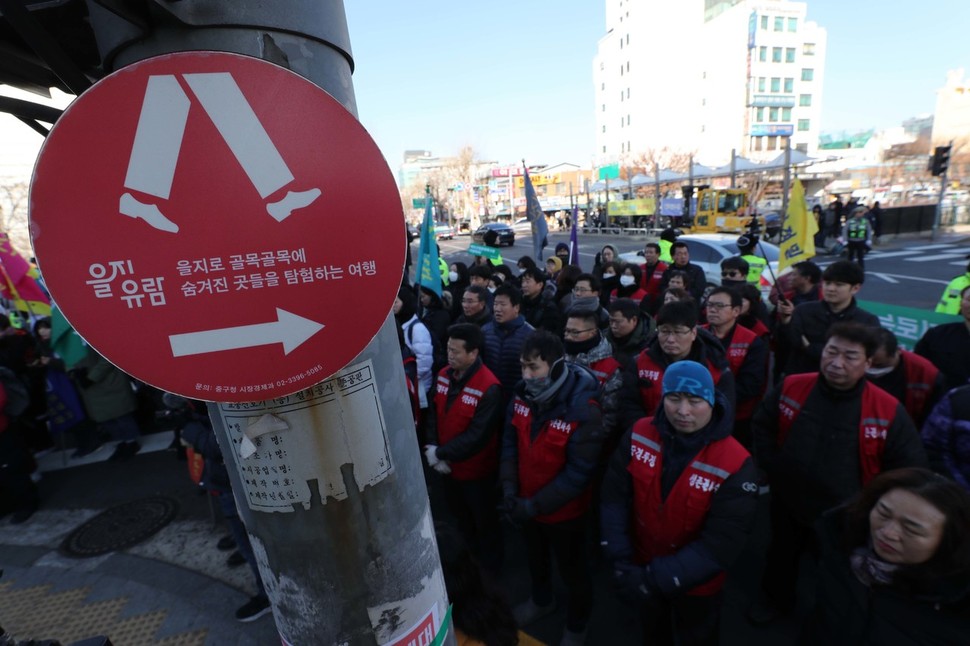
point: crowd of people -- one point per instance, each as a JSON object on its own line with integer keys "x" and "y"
{"x": 635, "y": 418}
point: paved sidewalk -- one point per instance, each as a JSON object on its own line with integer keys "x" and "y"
{"x": 173, "y": 588}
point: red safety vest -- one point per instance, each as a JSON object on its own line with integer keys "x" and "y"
{"x": 649, "y": 370}
{"x": 737, "y": 351}
{"x": 650, "y": 281}
{"x": 636, "y": 296}
{"x": 542, "y": 459}
{"x": 920, "y": 378}
{"x": 604, "y": 368}
{"x": 878, "y": 412}
{"x": 662, "y": 527}
{"x": 760, "y": 329}
{"x": 453, "y": 421}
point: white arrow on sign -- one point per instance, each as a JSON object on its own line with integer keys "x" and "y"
{"x": 289, "y": 329}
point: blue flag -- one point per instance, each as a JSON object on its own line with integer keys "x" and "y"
{"x": 427, "y": 272}
{"x": 534, "y": 214}
{"x": 573, "y": 239}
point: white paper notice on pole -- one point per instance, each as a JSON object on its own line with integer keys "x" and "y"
{"x": 280, "y": 445}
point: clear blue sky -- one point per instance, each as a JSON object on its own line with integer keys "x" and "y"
{"x": 514, "y": 78}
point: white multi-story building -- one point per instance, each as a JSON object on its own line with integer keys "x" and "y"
{"x": 706, "y": 77}
{"x": 951, "y": 121}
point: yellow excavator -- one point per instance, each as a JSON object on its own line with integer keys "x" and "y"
{"x": 722, "y": 210}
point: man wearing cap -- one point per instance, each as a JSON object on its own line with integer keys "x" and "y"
{"x": 678, "y": 338}
{"x": 747, "y": 244}
{"x": 692, "y": 491}
{"x": 857, "y": 234}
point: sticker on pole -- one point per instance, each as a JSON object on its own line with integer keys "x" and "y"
{"x": 217, "y": 226}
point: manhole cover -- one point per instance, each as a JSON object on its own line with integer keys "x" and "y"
{"x": 120, "y": 526}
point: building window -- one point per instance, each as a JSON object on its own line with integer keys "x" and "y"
{"x": 621, "y": 122}
{"x": 779, "y": 23}
{"x": 776, "y": 54}
{"x": 628, "y": 66}
{"x": 602, "y": 86}
{"x": 793, "y": 24}
{"x": 789, "y": 54}
{"x": 764, "y": 22}
{"x": 761, "y": 84}
{"x": 804, "y": 125}
{"x": 771, "y": 143}
{"x": 604, "y": 128}
{"x": 703, "y": 102}
{"x": 628, "y": 93}
{"x": 604, "y": 149}
{"x": 802, "y": 148}
{"x": 776, "y": 84}
{"x": 621, "y": 69}
{"x": 755, "y": 143}
{"x": 627, "y": 119}
{"x": 789, "y": 85}
{"x": 786, "y": 114}
{"x": 759, "y": 115}
{"x": 604, "y": 107}
{"x": 773, "y": 115}
{"x": 628, "y": 39}
{"x": 805, "y": 100}
{"x": 763, "y": 54}
{"x": 621, "y": 96}
{"x": 808, "y": 49}
{"x": 808, "y": 74}
{"x": 621, "y": 43}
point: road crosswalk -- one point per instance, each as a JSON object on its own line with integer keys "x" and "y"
{"x": 952, "y": 254}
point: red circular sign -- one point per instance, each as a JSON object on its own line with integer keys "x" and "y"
{"x": 217, "y": 226}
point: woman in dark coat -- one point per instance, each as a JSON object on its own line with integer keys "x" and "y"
{"x": 894, "y": 565}
{"x": 458, "y": 282}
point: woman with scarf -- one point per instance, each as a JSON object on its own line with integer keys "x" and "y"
{"x": 894, "y": 565}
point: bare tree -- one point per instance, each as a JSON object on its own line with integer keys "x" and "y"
{"x": 13, "y": 213}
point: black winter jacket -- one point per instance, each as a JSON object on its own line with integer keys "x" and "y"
{"x": 818, "y": 466}
{"x": 574, "y": 401}
{"x": 729, "y": 520}
{"x": 851, "y": 614}
{"x": 503, "y": 345}
{"x": 813, "y": 320}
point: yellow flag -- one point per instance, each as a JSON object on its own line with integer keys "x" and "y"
{"x": 798, "y": 230}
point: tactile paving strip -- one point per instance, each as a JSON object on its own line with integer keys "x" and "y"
{"x": 36, "y": 613}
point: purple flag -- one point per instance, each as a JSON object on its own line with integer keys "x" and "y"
{"x": 573, "y": 240}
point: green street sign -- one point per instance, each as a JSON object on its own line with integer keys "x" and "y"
{"x": 907, "y": 323}
{"x": 476, "y": 249}
{"x": 418, "y": 202}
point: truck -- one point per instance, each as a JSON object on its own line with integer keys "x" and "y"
{"x": 722, "y": 210}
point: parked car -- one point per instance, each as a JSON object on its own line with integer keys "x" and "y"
{"x": 494, "y": 234}
{"x": 707, "y": 250}
{"x": 443, "y": 232}
{"x": 413, "y": 233}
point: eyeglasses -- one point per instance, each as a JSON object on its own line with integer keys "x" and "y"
{"x": 582, "y": 290}
{"x": 717, "y": 306}
{"x": 673, "y": 332}
{"x": 730, "y": 274}
{"x": 570, "y": 332}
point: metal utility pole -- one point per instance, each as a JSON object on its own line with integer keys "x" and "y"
{"x": 354, "y": 560}
{"x": 786, "y": 186}
{"x": 734, "y": 160}
{"x": 656, "y": 194}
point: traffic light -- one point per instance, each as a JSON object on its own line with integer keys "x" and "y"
{"x": 940, "y": 160}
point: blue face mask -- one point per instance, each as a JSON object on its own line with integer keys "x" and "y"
{"x": 534, "y": 387}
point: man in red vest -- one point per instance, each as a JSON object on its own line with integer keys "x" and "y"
{"x": 693, "y": 493}
{"x": 820, "y": 437}
{"x": 747, "y": 355}
{"x": 463, "y": 441}
{"x": 651, "y": 273}
{"x": 678, "y": 337}
{"x": 908, "y": 377}
{"x": 552, "y": 441}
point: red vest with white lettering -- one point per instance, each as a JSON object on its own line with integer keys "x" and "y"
{"x": 542, "y": 459}
{"x": 878, "y": 412}
{"x": 604, "y": 368}
{"x": 662, "y": 527}
{"x": 920, "y": 377}
{"x": 737, "y": 352}
{"x": 650, "y": 370}
{"x": 650, "y": 282}
{"x": 453, "y": 421}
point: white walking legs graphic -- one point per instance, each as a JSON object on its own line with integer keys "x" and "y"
{"x": 158, "y": 140}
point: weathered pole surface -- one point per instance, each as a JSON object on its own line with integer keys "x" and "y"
{"x": 345, "y": 544}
